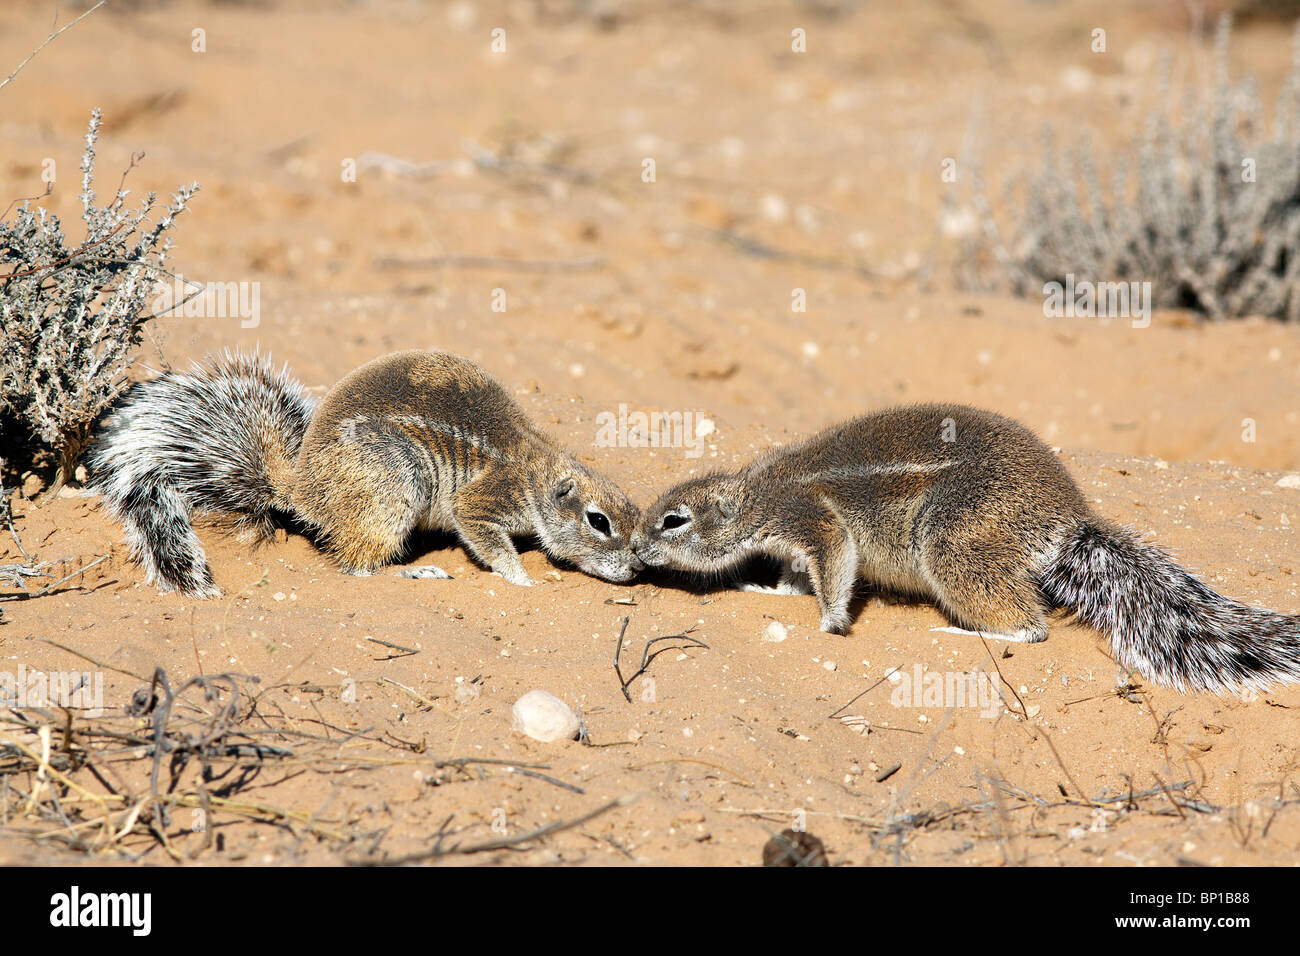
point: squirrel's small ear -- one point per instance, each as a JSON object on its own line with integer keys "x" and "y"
{"x": 563, "y": 488}
{"x": 727, "y": 507}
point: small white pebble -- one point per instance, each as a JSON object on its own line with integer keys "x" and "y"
{"x": 543, "y": 716}
{"x": 1076, "y": 79}
{"x": 774, "y": 208}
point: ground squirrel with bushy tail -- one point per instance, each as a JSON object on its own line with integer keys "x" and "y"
{"x": 970, "y": 510}
{"x": 412, "y": 440}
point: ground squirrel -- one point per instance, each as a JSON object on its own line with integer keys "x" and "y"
{"x": 411, "y": 440}
{"x": 971, "y": 510}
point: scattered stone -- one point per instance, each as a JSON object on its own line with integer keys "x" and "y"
{"x": 774, "y": 208}
{"x": 792, "y": 848}
{"x": 857, "y": 723}
{"x": 543, "y": 716}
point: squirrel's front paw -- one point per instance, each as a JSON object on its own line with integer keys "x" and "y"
{"x": 519, "y": 577}
{"x": 835, "y": 624}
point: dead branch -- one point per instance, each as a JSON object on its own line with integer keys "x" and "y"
{"x": 646, "y": 656}
{"x": 54, "y": 34}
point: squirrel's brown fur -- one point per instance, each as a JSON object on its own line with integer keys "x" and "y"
{"x": 971, "y": 510}
{"x": 411, "y": 440}
{"x": 428, "y": 439}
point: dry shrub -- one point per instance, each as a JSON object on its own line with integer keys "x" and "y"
{"x": 70, "y": 317}
{"x": 1206, "y": 207}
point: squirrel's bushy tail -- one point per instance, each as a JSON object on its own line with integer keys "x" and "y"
{"x": 220, "y": 438}
{"x": 1164, "y": 623}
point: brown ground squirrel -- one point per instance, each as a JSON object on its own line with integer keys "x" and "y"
{"x": 971, "y": 510}
{"x": 410, "y": 440}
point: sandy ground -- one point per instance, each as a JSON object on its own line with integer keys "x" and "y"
{"x": 645, "y": 295}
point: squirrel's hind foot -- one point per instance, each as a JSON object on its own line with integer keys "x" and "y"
{"x": 1027, "y": 635}
{"x": 430, "y": 571}
{"x": 794, "y": 580}
{"x": 753, "y": 588}
{"x": 786, "y": 588}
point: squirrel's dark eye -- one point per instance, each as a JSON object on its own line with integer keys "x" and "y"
{"x": 674, "y": 521}
{"x": 598, "y": 521}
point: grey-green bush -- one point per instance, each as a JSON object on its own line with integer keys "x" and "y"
{"x": 70, "y": 317}
{"x": 1180, "y": 212}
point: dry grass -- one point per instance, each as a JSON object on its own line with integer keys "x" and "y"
{"x": 181, "y": 763}
{"x": 1205, "y": 206}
